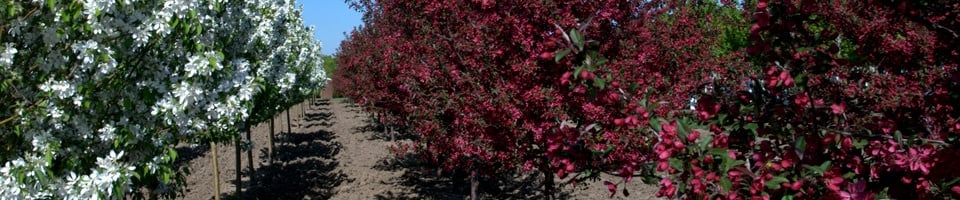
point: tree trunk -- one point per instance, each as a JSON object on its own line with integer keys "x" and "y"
{"x": 250, "y": 159}
{"x": 238, "y": 168}
{"x": 474, "y": 185}
{"x": 548, "y": 185}
{"x": 289, "y": 129}
{"x": 270, "y": 148}
{"x": 386, "y": 130}
{"x": 216, "y": 172}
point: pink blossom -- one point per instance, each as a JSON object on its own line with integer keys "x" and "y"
{"x": 839, "y": 108}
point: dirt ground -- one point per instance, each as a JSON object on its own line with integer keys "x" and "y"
{"x": 332, "y": 151}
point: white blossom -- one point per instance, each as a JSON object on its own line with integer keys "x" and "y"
{"x": 6, "y": 56}
{"x": 107, "y": 133}
{"x": 60, "y": 89}
{"x": 287, "y": 82}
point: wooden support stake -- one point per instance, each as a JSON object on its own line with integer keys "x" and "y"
{"x": 216, "y": 172}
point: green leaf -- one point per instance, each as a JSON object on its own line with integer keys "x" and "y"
{"x": 775, "y": 182}
{"x": 601, "y": 61}
{"x": 787, "y": 197}
{"x": 818, "y": 169}
{"x": 704, "y": 141}
{"x": 718, "y": 152}
{"x": 576, "y": 38}
{"x": 860, "y": 143}
{"x": 576, "y": 72}
{"x": 801, "y": 143}
{"x": 725, "y": 183}
{"x": 721, "y": 117}
{"x": 682, "y": 127}
{"x": 951, "y": 182}
{"x": 825, "y": 166}
{"x": 734, "y": 163}
{"x": 676, "y": 163}
{"x": 137, "y": 175}
{"x": 655, "y": 124}
{"x": 600, "y": 83}
{"x": 560, "y": 55}
{"x": 165, "y": 177}
{"x": 752, "y": 127}
{"x": 650, "y": 180}
{"x": 849, "y": 175}
{"x": 172, "y": 154}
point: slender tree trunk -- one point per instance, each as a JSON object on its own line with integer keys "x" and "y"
{"x": 393, "y": 136}
{"x": 374, "y": 119}
{"x": 250, "y": 159}
{"x": 474, "y": 185}
{"x": 303, "y": 116}
{"x": 289, "y": 129}
{"x": 548, "y": 185}
{"x": 238, "y": 167}
{"x": 270, "y": 153}
{"x": 216, "y": 172}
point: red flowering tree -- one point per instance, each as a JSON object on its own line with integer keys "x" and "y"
{"x": 764, "y": 99}
{"x": 560, "y": 87}
{"x": 847, "y": 99}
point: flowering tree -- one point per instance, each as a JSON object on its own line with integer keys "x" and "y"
{"x": 558, "y": 87}
{"x": 709, "y": 100}
{"x": 96, "y": 93}
{"x": 847, "y": 99}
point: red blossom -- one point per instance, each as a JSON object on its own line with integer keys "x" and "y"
{"x": 838, "y": 108}
{"x": 833, "y": 182}
{"x": 565, "y": 78}
{"x": 707, "y": 107}
{"x": 916, "y": 159}
{"x": 612, "y": 187}
{"x": 857, "y": 191}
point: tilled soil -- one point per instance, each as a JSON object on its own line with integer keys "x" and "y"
{"x": 331, "y": 150}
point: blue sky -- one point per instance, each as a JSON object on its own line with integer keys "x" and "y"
{"x": 332, "y": 19}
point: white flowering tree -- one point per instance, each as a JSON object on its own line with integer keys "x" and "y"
{"x": 95, "y": 94}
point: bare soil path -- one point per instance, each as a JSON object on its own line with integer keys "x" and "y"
{"x": 333, "y": 151}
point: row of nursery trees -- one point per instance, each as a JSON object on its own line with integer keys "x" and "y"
{"x": 729, "y": 99}
{"x": 94, "y": 95}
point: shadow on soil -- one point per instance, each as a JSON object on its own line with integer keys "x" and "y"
{"x": 304, "y": 166}
{"x": 377, "y": 131}
{"x": 426, "y": 183}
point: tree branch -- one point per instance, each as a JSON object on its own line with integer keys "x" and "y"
{"x": 15, "y": 115}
